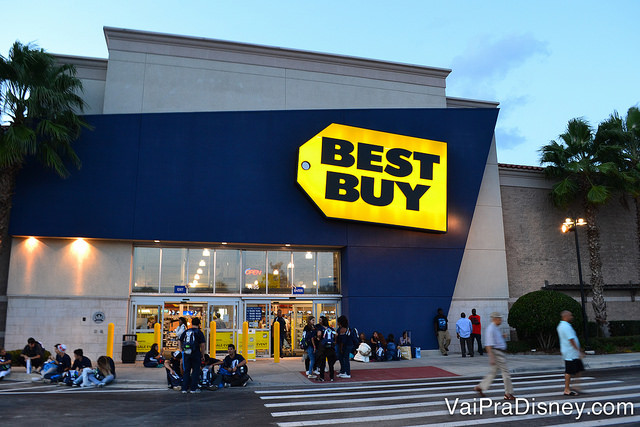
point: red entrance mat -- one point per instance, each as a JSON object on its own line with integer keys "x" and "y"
{"x": 390, "y": 374}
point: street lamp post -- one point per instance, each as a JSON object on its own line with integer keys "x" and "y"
{"x": 568, "y": 225}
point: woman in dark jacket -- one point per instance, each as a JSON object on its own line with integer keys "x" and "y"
{"x": 151, "y": 359}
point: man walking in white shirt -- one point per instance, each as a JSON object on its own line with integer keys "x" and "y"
{"x": 495, "y": 346}
{"x": 570, "y": 349}
{"x": 463, "y": 331}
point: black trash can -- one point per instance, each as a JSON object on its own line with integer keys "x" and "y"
{"x": 129, "y": 348}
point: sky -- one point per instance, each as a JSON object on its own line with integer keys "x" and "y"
{"x": 545, "y": 62}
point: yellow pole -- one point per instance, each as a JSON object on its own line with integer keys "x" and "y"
{"x": 212, "y": 339}
{"x": 245, "y": 340}
{"x": 157, "y": 336}
{"x": 276, "y": 343}
{"x": 110, "y": 333}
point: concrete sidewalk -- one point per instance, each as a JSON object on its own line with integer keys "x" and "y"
{"x": 266, "y": 373}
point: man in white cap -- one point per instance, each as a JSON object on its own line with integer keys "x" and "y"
{"x": 495, "y": 346}
{"x": 60, "y": 364}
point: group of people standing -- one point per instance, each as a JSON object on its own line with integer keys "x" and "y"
{"x": 324, "y": 345}
{"x": 468, "y": 331}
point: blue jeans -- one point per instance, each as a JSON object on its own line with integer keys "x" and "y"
{"x": 191, "y": 366}
{"x": 343, "y": 357}
{"x": 312, "y": 359}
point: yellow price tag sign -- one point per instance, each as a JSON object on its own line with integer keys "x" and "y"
{"x": 371, "y": 176}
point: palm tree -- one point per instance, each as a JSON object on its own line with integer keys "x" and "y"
{"x": 623, "y": 136}
{"x": 39, "y": 100}
{"x": 576, "y": 164}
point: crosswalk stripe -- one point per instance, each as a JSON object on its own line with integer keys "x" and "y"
{"x": 511, "y": 418}
{"x": 395, "y": 417}
{"x": 361, "y": 387}
{"x": 353, "y": 393}
{"x": 420, "y": 396}
{"x": 418, "y": 404}
{"x": 84, "y": 391}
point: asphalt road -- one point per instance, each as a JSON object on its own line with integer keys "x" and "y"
{"x": 398, "y": 403}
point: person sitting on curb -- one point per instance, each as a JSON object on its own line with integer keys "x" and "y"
{"x": 5, "y": 364}
{"x": 60, "y": 365}
{"x": 174, "y": 370}
{"x": 103, "y": 374}
{"x": 234, "y": 370}
{"x": 80, "y": 362}
{"x": 152, "y": 358}
{"x": 33, "y": 354}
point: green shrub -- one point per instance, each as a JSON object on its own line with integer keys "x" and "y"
{"x": 17, "y": 360}
{"x": 536, "y": 316}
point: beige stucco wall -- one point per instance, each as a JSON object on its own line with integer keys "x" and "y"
{"x": 55, "y": 287}
{"x": 150, "y": 72}
{"x": 67, "y": 267}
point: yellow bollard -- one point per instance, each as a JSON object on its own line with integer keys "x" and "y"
{"x": 212, "y": 339}
{"x": 245, "y": 340}
{"x": 157, "y": 336}
{"x": 110, "y": 333}
{"x": 276, "y": 344}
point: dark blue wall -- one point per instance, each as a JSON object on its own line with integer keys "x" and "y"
{"x": 231, "y": 176}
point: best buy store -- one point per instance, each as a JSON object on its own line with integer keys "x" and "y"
{"x": 226, "y": 181}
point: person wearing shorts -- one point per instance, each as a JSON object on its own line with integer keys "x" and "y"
{"x": 571, "y": 353}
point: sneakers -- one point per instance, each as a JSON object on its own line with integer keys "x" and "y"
{"x": 316, "y": 371}
{"x": 312, "y": 376}
{"x": 345, "y": 376}
{"x": 196, "y": 391}
{"x": 320, "y": 379}
{"x": 227, "y": 385}
{"x": 184, "y": 392}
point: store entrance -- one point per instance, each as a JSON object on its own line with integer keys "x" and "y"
{"x": 172, "y": 312}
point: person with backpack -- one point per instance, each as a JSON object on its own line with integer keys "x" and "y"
{"x": 307, "y": 345}
{"x": 347, "y": 340}
{"x": 440, "y": 326}
{"x": 326, "y": 353}
{"x": 392, "y": 349}
{"x": 192, "y": 342}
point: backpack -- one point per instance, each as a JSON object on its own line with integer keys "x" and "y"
{"x": 304, "y": 344}
{"x": 189, "y": 341}
{"x": 329, "y": 338}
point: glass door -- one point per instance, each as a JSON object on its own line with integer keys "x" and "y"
{"x": 301, "y": 310}
{"x": 145, "y": 316}
{"x": 172, "y": 312}
{"x": 225, "y": 316}
{"x": 257, "y": 314}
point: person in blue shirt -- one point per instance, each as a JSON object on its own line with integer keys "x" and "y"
{"x": 463, "y": 332}
{"x": 571, "y": 353}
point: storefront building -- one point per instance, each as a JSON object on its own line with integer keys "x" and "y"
{"x": 228, "y": 181}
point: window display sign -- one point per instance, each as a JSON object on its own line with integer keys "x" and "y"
{"x": 365, "y": 175}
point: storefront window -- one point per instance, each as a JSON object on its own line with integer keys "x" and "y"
{"x": 227, "y": 271}
{"x": 254, "y": 275}
{"x": 231, "y": 271}
{"x": 304, "y": 275}
{"x": 146, "y": 273}
{"x": 200, "y": 267}
{"x": 280, "y": 272}
{"x": 174, "y": 269}
{"x": 328, "y": 273}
